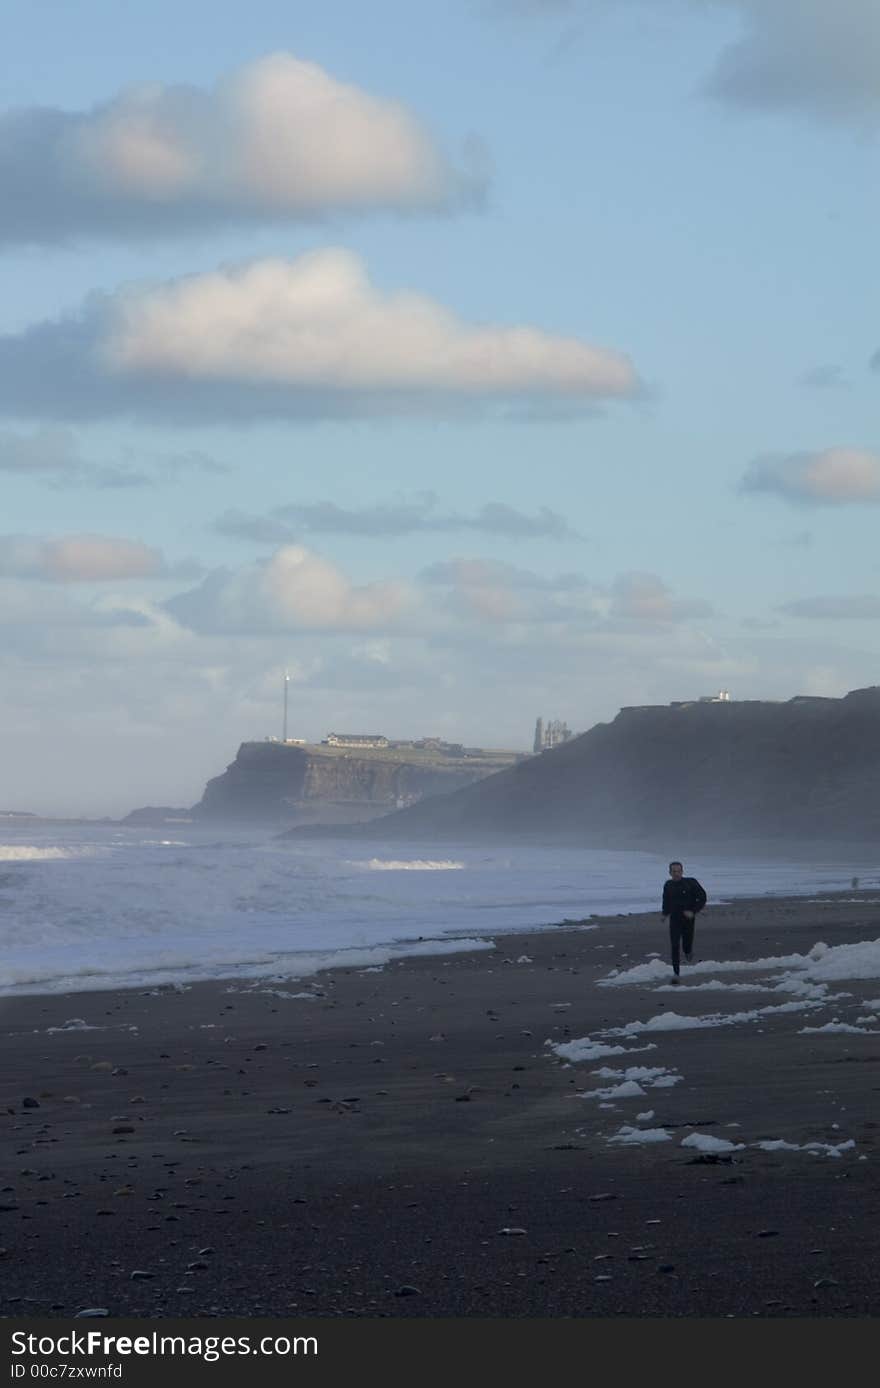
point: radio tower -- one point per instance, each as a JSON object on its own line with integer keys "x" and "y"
{"x": 286, "y": 683}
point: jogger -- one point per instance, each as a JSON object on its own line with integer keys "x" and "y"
{"x": 683, "y": 897}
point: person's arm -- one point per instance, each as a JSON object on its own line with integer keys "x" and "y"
{"x": 699, "y": 896}
{"x": 665, "y": 907}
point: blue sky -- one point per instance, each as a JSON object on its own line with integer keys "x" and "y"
{"x": 516, "y": 360}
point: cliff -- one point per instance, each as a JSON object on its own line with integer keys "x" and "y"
{"x": 281, "y": 782}
{"x": 715, "y": 773}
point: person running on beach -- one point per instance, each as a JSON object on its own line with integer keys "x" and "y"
{"x": 683, "y": 897}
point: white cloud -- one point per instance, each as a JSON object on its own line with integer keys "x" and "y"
{"x": 295, "y": 590}
{"x": 491, "y": 591}
{"x": 276, "y": 139}
{"x": 832, "y": 476}
{"x": 78, "y": 559}
{"x": 276, "y": 338}
{"x": 318, "y": 323}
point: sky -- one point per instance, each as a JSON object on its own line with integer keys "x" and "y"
{"x": 520, "y": 361}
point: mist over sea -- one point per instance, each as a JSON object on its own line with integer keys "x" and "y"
{"x": 100, "y": 906}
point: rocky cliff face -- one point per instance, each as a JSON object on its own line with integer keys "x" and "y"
{"x": 808, "y": 769}
{"x": 274, "y": 781}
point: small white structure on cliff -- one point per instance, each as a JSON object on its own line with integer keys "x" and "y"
{"x": 355, "y": 740}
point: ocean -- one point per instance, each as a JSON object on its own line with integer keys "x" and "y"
{"x": 97, "y": 906}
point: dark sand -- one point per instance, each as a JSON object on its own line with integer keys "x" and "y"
{"x": 363, "y": 1153}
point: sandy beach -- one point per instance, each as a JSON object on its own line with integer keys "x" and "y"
{"x": 404, "y": 1142}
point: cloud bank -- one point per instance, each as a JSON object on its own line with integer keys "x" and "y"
{"x": 297, "y": 589}
{"x": 310, "y": 337}
{"x": 278, "y": 139}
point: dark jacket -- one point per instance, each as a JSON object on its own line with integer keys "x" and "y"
{"x": 684, "y": 895}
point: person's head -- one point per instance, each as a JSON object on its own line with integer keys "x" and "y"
{"x": 676, "y": 871}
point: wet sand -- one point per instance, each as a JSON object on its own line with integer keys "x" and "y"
{"x": 403, "y": 1142}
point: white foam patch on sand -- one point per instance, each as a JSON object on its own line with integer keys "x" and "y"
{"x": 654, "y": 1076}
{"x": 819, "y": 1149}
{"x": 584, "y": 1048}
{"x": 631, "y": 1137}
{"x": 282, "y": 993}
{"x": 83, "y": 1026}
{"x": 802, "y": 988}
{"x": 839, "y": 1026}
{"x": 627, "y": 1089}
{"x": 645, "y": 1117}
{"x": 714, "y": 985}
{"x": 703, "y": 1142}
{"x": 833, "y": 963}
{"x": 674, "y": 1021}
{"x": 657, "y": 970}
{"x": 797, "y": 986}
{"x": 74, "y": 1024}
{"x": 410, "y": 865}
{"x": 822, "y": 964}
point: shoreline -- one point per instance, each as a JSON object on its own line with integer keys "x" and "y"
{"x": 362, "y": 1150}
{"x": 346, "y": 957}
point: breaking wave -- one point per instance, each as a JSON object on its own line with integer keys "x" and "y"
{"x": 29, "y": 852}
{"x": 412, "y": 865}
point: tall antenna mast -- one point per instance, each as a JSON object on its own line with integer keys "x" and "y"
{"x": 286, "y": 683}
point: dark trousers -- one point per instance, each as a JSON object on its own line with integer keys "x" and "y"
{"x": 681, "y": 932}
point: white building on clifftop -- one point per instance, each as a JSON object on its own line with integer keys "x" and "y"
{"x": 355, "y": 740}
